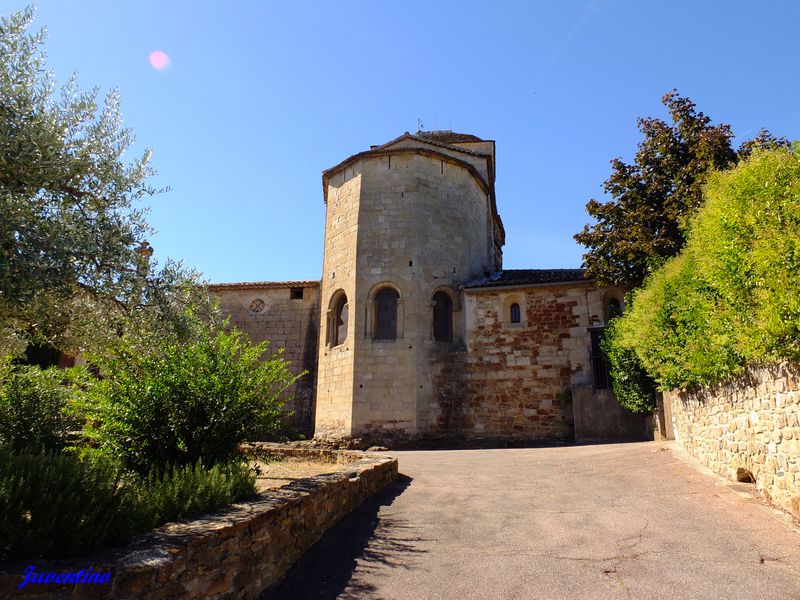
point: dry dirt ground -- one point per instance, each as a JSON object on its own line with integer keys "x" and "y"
{"x": 603, "y": 521}
{"x": 278, "y": 473}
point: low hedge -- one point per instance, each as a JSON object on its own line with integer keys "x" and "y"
{"x": 54, "y": 506}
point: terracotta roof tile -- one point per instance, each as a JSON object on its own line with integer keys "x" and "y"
{"x": 252, "y": 285}
{"x": 523, "y": 277}
{"x": 448, "y": 137}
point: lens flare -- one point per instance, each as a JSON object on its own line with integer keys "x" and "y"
{"x": 159, "y": 60}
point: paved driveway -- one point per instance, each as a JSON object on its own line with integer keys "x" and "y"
{"x": 605, "y": 521}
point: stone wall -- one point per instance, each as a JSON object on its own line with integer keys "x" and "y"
{"x": 267, "y": 311}
{"x": 749, "y": 426}
{"x": 520, "y": 377}
{"x": 236, "y": 553}
{"x": 599, "y": 417}
{"x": 334, "y": 402}
{"x": 423, "y": 228}
{"x": 418, "y": 223}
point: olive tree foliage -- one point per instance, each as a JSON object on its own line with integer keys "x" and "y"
{"x": 653, "y": 198}
{"x": 71, "y": 224}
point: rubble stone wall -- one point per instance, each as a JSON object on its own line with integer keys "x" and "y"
{"x": 746, "y": 427}
{"x": 520, "y": 377}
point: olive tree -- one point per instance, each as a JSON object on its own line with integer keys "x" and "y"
{"x": 73, "y": 258}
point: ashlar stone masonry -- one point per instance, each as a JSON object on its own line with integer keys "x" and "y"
{"x": 414, "y": 328}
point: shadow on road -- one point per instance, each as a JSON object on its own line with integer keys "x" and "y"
{"x": 364, "y": 539}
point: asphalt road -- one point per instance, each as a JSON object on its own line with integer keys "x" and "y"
{"x": 605, "y": 521}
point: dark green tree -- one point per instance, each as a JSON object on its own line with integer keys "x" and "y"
{"x": 652, "y": 199}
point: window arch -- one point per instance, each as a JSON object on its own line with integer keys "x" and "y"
{"x": 442, "y": 317}
{"x": 515, "y": 315}
{"x": 512, "y": 312}
{"x": 339, "y": 317}
{"x": 386, "y": 300}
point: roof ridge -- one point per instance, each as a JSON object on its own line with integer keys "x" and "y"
{"x": 254, "y": 284}
{"x": 425, "y": 140}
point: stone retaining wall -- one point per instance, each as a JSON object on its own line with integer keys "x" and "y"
{"x": 747, "y": 427}
{"x": 235, "y": 553}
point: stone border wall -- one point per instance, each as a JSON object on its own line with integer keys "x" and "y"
{"x": 747, "y": 427}
{"x": 235, "y": 553}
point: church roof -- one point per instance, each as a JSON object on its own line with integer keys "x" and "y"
{"x": 441, "y": 139}
{"x": 526, "y": 277}
{"x": 252, "y": 285}
{"x": 448, "y": 137}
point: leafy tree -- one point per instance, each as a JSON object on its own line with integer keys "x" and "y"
{"x": 652, "y": 199}
{"x": 73, "y": 260}
{"x": 729, "y": 299}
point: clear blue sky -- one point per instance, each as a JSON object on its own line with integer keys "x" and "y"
{"x": 261, "y": 96}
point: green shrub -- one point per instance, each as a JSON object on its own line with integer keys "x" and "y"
{"x": 54, "y": 506}
{"x": 680, "y": 328}
{"x": 35, "y": 409}
{"x": 633, "y": 387}
{"x": 731, "y": 297}
{"x": 179, "y": 402}
{"x": 189, "y": 490}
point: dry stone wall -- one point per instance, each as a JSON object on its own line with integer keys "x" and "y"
{"x": 749, "y": 426}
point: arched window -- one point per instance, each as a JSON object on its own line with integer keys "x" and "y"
{"x": 516, "y": 315}
{"x": 386, "y": 314}
{"x": 442, "y": 317}
{"x": 340, "y": 318}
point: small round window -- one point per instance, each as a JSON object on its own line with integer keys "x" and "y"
{"x": 257, "y": 306}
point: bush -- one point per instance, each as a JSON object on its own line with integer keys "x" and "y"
{"x": 189, "y": 490}
{"x": 54, "y": 506}
{"x": 179, "y": 402}
{"x": 35, "y": 409}
{"x": 731, "y": 297}
{"x": 633, "y": 387}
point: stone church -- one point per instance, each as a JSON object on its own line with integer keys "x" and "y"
{"x": 415, "y": 330}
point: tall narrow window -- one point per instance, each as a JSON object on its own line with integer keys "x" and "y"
{"x": 442, "y": 317}
{"x": 516, "y": 316}
{"x": 340, "y": 321}
{"x": 386, "y": 314}
{"x": 602, "y": 380}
